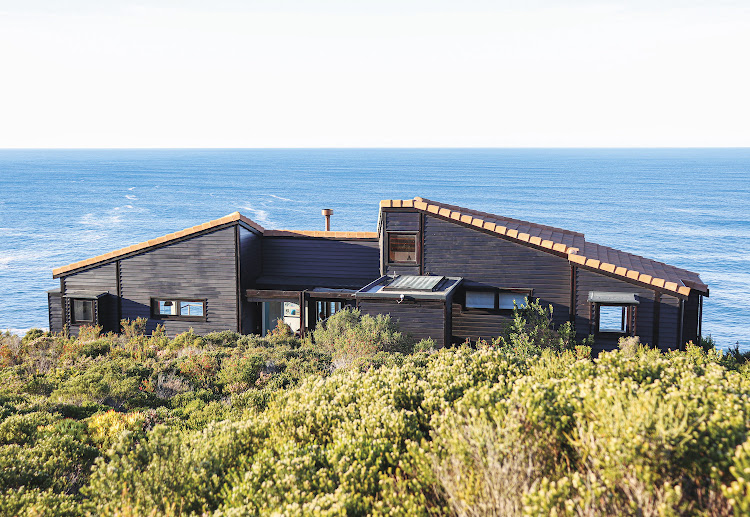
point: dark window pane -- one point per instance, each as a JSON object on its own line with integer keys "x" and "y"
{"x": 402, "y": 248}
{"x": 480, "y": 299}
{"x": 83, "y": 311}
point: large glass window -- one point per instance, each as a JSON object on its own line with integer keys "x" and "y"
{"x": 178, "y": 309}
{"x": 82, "y": 311}
{"x": 402, "y": 248}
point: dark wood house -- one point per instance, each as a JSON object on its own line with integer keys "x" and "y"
{"x": 442, "y": 271}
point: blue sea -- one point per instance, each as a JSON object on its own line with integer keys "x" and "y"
{"x": 687, "y": 207}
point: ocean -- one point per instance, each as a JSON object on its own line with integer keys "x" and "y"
{"x": 686, "y": 207}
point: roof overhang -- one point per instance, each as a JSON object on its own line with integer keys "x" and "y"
{"x": 610, "y": 298}
{"x": 379, "y": 289}
{"x": 84, "y": 294}
{"x": 478, "y": 221}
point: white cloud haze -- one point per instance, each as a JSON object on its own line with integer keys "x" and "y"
{"x": 385, "y": 74}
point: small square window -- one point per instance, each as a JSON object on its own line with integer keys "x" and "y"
{"x": 612, "y": 318}
{"x": 402, "y": 248}
{"x": 82, "y": 311}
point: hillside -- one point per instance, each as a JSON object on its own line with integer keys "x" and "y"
{"x": 366, "y": 422}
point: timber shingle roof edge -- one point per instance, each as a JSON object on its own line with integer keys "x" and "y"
{"x": 650, "y": 272}
{"x": 187, "y": 232}
{"x": 164, "y": 239}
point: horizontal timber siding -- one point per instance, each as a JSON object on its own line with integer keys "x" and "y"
{"x": 451, "y": 249}
{"x": 591, "y": 281}
{"x": 421, "y": 320}
{"x": 669, "y": 327}
{"x": 473, "y": 324}
{"x": 401, "y": 221}
{"x": 320, "y": 262}
{"x": 202, "y": 267}
{"x": 54, "y": 306}
{"x": 102, "y": 279}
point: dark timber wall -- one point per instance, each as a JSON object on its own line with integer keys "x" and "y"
{"x": 54, "y": 305}
{"x": 690, "y": 321}
{"x": 399, "y": 222}
{"x": 102, "y": 279}
{"x": 421, "y": 320}
{"x": 450, "y": 249}
{"x": 305, "y": 263}
{"x": 251, "y": 263}
{"x": 668, "y": 331}
{"x": 202, "y": 267}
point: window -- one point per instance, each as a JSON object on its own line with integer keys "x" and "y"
{"x": 495, "y": 299}
{"x": 402, "y": 248}
{"x": 613, "y": 312}
{"x": 480, "y": 299}
{"x": 82, "y": 311}
{"x": 612, "y": 318}
{"x": 618, "y": 319}
{"x": 178, "y": 309}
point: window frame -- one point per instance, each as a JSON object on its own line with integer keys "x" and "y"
{"x": 77, "y": 322}
{"x": 178, "y": 317}
{"x": 496, "y": 291}
{"x": 631, "y": 313}
{"x": 417, "y": 248}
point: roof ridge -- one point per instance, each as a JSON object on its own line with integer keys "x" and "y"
{"x": 230, "y": 218}
{"x": 509, "y": 219}
{"x": 321, "y": 233}
{"x": 472, "y": 218}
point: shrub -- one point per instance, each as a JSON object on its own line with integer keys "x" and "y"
{"x": 133, "y": 328}
{"x": 240, "y": 372}
{"x": 348, "y": 335}
{"x": 32, "y": 335}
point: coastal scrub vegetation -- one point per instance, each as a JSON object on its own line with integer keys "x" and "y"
{"x": 363, "y": 421}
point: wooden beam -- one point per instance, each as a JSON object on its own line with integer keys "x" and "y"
{"x": 657, "y": 314}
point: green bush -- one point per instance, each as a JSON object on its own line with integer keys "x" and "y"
{"x": 348, "y": 336}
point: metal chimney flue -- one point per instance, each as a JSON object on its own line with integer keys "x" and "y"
{"x": 327, "y": 213}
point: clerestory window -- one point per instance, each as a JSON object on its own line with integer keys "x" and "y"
{"x": 172, "y": 308}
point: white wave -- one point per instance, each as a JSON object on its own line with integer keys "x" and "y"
{"x": 282, "y": 198}
{"x": 101, "y": 220}
{"x": 22, "y": 332}
{"x": 257, "y": 215}
{"x": 130, "y": 197}
{"x": 30, "y": 257}
{"x": 131, "y": 188}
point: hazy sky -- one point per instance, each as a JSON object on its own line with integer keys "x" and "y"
{"x": 384, "y": 74}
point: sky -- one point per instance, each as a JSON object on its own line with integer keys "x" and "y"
{"x": 406, "y": 73}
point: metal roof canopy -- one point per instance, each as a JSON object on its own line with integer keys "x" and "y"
{"x": 414, "y": 283}
{"x": 444, "y": 288}
{"x": 87, "y": 295}
{"x": 608, "y": 298}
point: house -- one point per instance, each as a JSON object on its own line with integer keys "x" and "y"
{"x": 443, "y": 271}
